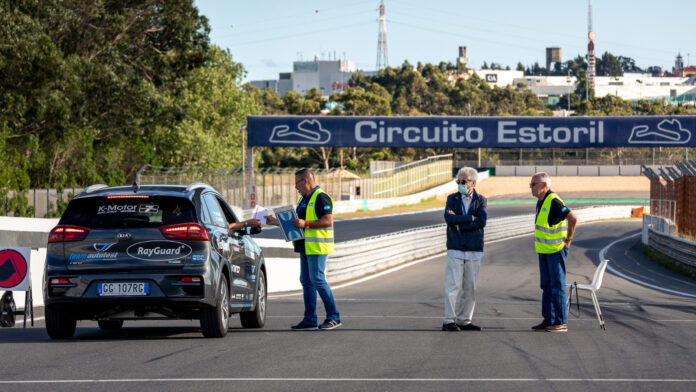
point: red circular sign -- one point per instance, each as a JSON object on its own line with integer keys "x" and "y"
{"x": 13, "y": 268}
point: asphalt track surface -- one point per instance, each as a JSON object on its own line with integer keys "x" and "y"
{"x": 391, "y": 338}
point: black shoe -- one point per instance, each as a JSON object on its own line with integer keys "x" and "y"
{"x": 330, "y": 324}
{"x": 450, "y": 327}
{"x": 540, "y": 327}
{"x": 469, "y": 327}
{"x": 302, "y": 326}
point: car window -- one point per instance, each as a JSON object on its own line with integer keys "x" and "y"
{"x": 229, "y": 214}
{"x": 154, "y": 211}
{"x": 216, "y": 214}
{"x": 205, "y": 214}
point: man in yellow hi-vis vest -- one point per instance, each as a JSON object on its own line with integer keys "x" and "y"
{"x": 552, "y": 238}
{"x": 314, "y": 211}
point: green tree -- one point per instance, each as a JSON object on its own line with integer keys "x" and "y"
{"x": 212, "y": 106}
{"x": 609, "y": 65}
{"x": 83, "y": 81}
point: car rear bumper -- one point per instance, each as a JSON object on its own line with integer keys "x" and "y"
{"x": 167, "y": 296}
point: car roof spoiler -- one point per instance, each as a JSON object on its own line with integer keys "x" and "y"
{"x": 196, "y": 185}
{"x": 93, "y": 188}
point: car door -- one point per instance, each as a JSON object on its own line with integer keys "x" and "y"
{"x": 249, "y": 255}
{"x": 222, "y": 243}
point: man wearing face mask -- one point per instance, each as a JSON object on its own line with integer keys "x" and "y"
{"x": 465, "y": 214}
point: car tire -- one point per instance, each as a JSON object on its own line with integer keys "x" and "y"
{"x": 110, "y": 325}
{"x": 59, "y": 324}
{"x": 215, "y": 320}
{"x": 256, "y": 318}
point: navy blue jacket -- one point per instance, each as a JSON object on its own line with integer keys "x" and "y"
{"x": 463, "y": 231}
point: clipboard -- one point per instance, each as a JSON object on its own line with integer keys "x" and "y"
{"x": 285, "y": 215}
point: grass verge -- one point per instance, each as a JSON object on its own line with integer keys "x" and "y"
{"x": 668, "y": 262}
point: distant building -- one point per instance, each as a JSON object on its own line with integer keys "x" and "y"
{"x": 329, "y": 76}
{"x": 271, "y": 84}
{"x": 553, "y": 56}
{"x": 462, "y": 59}
{"x": 630, "y": 86}
{"x": 499, "y": 77}
{"x": 684, "y": 72}
{"x": 679, "y": 62}
{"x": 284, "y": 83}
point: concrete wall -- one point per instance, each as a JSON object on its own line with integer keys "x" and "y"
{"x": 591, "y": 170}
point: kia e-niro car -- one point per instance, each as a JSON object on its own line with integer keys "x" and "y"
{"x": 152, "y": 252}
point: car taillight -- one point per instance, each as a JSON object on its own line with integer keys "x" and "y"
{"x": 64, "y": 233}
{"x": 185, "y": 231}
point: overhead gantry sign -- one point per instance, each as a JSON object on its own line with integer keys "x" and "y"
{"x": 468, "y": 132}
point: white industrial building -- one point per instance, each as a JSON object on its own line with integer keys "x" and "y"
{"x": 329, "y": 76}
{"x": 630, "y": 86}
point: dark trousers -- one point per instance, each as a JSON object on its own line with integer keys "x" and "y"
{"x": 552, "y": 272}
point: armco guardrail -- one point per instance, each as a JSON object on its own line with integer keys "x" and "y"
{"x": 353, "y": 259}
{"x": 656, "y": 234}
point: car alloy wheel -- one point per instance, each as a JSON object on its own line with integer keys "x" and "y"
{"x": 215, "y": 320}
{"x": 256, "y": 318}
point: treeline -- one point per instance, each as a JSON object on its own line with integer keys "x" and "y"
{"x": 93, "y": 90}
{"x": 606, "y": 65}
{"x": 424, "y": 90}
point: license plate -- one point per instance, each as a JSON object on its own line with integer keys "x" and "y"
{"x": 123, "y": 289}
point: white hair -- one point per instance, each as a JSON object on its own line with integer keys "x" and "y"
{"x": 544, "y": 177}
{"x": 470, "y": 172}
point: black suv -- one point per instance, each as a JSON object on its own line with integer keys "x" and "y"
{"x": 151, "y": 252}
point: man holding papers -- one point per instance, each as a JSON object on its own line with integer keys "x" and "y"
{"x": 314, "y": 212}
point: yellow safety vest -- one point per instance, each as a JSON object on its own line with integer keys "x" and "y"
{"x": 549, "y": 239}
{"x": 317, "y": 241}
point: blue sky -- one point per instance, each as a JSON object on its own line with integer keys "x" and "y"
{"x": 266, "y": 36}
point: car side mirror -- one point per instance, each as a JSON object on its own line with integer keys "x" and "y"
{"x": 248, "y": 231}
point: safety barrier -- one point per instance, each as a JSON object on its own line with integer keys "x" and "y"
{"x": 657, "y": 234}
{"x": 353, "y": 259}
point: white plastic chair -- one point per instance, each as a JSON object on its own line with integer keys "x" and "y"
{"x": 593, "y": 288}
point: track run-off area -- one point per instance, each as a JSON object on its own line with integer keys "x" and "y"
{"x": 391, "y": 337}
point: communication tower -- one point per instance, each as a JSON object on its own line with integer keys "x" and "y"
{"x": 382, "y": 39}
{"x": 591, "y": 70}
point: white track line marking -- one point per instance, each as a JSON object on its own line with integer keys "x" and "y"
{"x": 365, "y": 279}
{"x": 328, "y": 379}
{"x": 634, "y": 280}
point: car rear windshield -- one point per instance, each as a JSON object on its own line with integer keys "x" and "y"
{"x": 155, "y": 211}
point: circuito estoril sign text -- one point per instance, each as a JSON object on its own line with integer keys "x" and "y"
{"x": 380, "y": 131}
